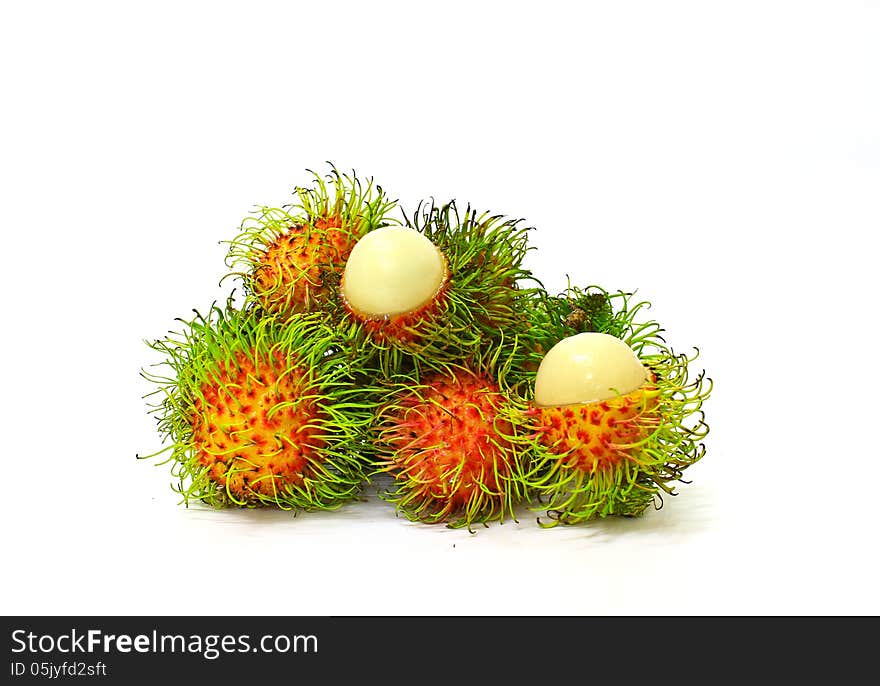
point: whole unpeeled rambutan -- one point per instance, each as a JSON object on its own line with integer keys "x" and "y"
{"x": 455, "y": 443}
{"x": 290, "y": 258}
{"x": 260, "y": 410}
{"x": 437, "y": 290}
{"x": 617, "y": 420}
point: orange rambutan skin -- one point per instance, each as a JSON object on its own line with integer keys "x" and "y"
{"x": 449, "y": 441}
{"x": 289, "y": 275}
{"x": 596, "y": 436}
{"x": 339, "y": 239}
{"x": 248, "y": 448}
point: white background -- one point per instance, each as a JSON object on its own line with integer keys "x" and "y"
{"x": 722, "y": 158}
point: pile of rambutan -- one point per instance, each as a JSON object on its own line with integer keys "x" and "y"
{"x": 415, "y": 352}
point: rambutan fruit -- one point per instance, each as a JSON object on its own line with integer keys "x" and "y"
{"x": 617, "y": 420}
{"x": 436, "y": 290}
{"x": 260, "y": 410}
{"x": 455, "y": 443}
{"x": 290, "y": 258}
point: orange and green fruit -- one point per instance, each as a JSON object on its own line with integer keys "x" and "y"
{"x": 261, "y": 411}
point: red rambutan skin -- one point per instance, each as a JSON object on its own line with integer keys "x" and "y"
{"x": 450, "y": 444}
{"x": 596, "y": 436}
{"x": 246, "y": 447}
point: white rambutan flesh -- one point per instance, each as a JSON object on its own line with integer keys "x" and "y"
{"x": 586, "y": 368}
{"x": 392, "y": 270}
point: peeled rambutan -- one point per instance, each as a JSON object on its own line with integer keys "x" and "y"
{"x": 617, "y": 420}
{"x": 454, "y": 443}
{"x": 260, "y": 411}
{"x": 290, "y": 258}
{"x": 437, "y": 290}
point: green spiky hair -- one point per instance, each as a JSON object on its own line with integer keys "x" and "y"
{"x": 455, "y": 440}
{"x": 480, "y": 300}
{"x": 289, "y": 258}
{"x": 260, "y": 411}
{"x": 550, "y": 318}
{"x": 668, "y": 420}
{"x": 578, "y": 310}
